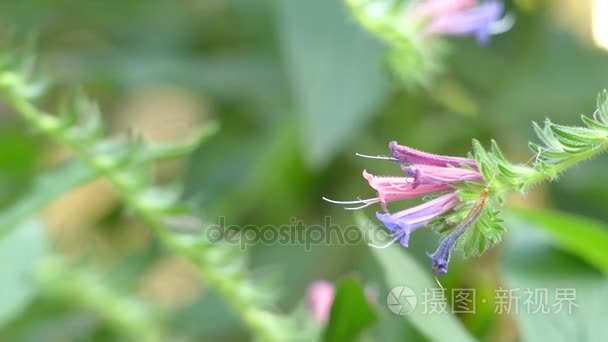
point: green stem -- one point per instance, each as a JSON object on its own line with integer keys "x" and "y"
{"x": 262, "y": 322}
{"x": 129, "y": 316}
{"x": 540, "y": 175}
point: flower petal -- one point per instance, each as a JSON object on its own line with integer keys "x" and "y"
{"x": 427, "y": 174}
{"x": 475, "y": 21}
{"x": 432, "y": 8}
{"x": 391, "y": 189}
{"x": 320, "y": 296}
{"x": 409, "y": 155}
{"x": 403, "y": 223}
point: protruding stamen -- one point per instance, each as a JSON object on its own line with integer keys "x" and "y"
{"x": 376, "y": 157}
{"x": 361, "y": 206}
{"x": 439, "y": 283}
{"x": 386, "y": 245}
{"x": 503, "y": 25}
{"x": 365, "y": 201}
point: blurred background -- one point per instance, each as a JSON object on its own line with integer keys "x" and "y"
{"x": 297, "y": 88}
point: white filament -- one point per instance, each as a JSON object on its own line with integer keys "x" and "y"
{"x": 503, "y": 25}
{"x": 365, "y": 202}
{"x": 375, "y": 157}
{"x": 372, "y": 200}
{"x": 361, "y": 206}
{"x": 383, "y": 246}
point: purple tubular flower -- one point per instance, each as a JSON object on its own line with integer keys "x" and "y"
{"x": 403, "y": 223}
{"x": 434, "y": 8}
{"x": 477, "y": 21}
{"x": 427, "y": 174}
{"x": 441, "y": 257}
{"x": 408, "y": 155}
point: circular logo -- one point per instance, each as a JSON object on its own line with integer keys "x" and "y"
{"x": 401, "y": 300}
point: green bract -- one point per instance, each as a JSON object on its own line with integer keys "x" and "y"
{"x": 560, "y": 147}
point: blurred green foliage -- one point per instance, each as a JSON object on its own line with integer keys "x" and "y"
{"x": 297, "y": 87}
{"x": 351, "y": 312}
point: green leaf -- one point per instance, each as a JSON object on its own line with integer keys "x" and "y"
{"x": 485, "y": 233}
{"x": 335, "y": 73}
{"x": 580, "y": 135}
{"x": 583, "y": 237}
{"x": 86, "y": 287}
{"x": 400, "y": 269}
{"x": 532, "y": 264}
{"x": 46, "y": 188}
{"x": 591, "y": 123}
{"x": 602, "y": 106}
{"x": 20, "y": 252}
{"x": 351, "y": 313}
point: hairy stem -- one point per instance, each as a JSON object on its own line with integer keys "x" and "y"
{"x": 264, "y": 324}
{"x": 539, "y": 175}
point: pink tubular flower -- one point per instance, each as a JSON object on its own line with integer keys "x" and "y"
{"x": 427, "y": 174}
{"x": 320, "y": 296}
{"x": 391, "y": 189}
{"x": 435, "y": 8}
{"x": 463, "y": 18}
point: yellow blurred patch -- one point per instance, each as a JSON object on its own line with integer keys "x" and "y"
{"x": 528, "y": 6}
{"x": 573, "y": 16}
{"x": 172, "y": 282}
{"x": 162, "y": 114}
{"x": 80, "y": 208}
{"x": 599, "y": 23}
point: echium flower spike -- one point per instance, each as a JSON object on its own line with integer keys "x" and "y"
{"x": 463, "y": 193}
{"x": 427, "y": 174}
{"x": 463, "y": 18}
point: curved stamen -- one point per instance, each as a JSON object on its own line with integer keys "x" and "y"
{"x": 376, "y": 157}
{"x": 361, "y": 206}
{"x": 503, "y": 25}
{"x": 369, "y": 200}
{"x": 385, "y": 246}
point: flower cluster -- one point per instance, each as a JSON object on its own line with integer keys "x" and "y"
{"x": 426, "y": 176}
{"x": 412, "y": 29}
{"x": 463, "y": 18}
